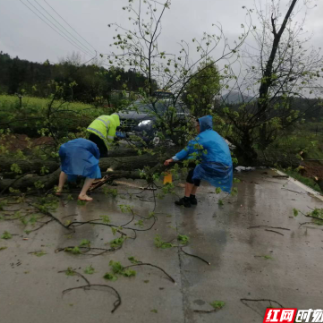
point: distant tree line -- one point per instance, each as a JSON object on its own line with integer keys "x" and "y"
{"x": 91, "y": 83}
{"x": 304, "y": 109}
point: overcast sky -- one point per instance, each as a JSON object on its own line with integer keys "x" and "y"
{"x": 22, "y": 33}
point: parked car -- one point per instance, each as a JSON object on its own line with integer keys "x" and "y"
{"x": 140, "y": 118}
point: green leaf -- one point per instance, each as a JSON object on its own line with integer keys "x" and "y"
{"x": 74, "y": 251}
{"x": 217, "y": 304}
{"x": 161, "y": 244}
{"x": 115, "y": 266}
{"x": 234, "y": 191}
{"x": 70, "y": 271}
{"x": 89, "y": 270}
{"x": 81, "y": 203}
{"x": 154, "y": 311}
{"x": 85, "y": 243}
{"x": 295, "y": 211}
{"x": 218, "y": 190}
{"x": 183, "y": 239}
{"x": 117, "y": 243}
{"x": 39, "y": 253}
{"x": 6, "y": 235}
{"x": 128, "y": 273}
{"x": 133, "y": 260}
{"x": 110, "y": 276}
{"x": 140, "y": 223}
{"x": 220, "y": 203}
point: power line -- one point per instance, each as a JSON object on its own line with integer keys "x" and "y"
{"x": 52, "y": 27}
{"x": 55, "y": 26}
{"x": 68, "y": 24}
{"x": 73, "y": 37}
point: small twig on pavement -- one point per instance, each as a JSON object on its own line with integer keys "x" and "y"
{"x": 146, "y": 264}
{"x": 260, "y": 300}
{"x": 116, "y": 304}
{"x": 46, "y": 212}
{"x": 77, "y": 274}
{"x": 195, "y": 256}
{"x": 67, "y": 249}
{"x": 41, "y": 226}
{"x": 275, "y": 232}
{"x": 309, "y": 223}
{"x": 268, "y": 226}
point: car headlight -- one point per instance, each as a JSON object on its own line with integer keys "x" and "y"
{"x": 145, "y": 123}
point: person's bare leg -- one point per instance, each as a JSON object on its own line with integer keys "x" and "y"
{"x": 194, "y": 189}
{"x": 87, "y": 184}
{"x": 61, "y": 183}
{"x": 188, "y": 189}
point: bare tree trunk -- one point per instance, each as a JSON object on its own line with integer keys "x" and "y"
{"x": 267, "y": 78}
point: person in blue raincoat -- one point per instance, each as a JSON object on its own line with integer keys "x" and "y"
{"x": 212, "y": 154}
{"x": 79, "y": 157}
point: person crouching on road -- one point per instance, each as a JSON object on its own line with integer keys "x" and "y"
{"x": 79, "y": 157}
{"x": 102, "y": 131}
{"x": 214, "y": 157}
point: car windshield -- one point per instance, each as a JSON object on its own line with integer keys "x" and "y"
{"x": 160, "y": 107}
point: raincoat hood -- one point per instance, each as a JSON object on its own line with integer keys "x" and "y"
{"x": 116, "y": 119}
{"x": 205, "y": 123}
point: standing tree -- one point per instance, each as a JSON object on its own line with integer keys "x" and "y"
{"x": 138, "y": 48}
{"x": 279, "y": 67}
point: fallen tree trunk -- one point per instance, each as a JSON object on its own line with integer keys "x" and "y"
{"x": 119, "y": 167}
{"x": 31, "y": 181}
{"x": 27, "y": 165}
{"x": 31, "y": 165}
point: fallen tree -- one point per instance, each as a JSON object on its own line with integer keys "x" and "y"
{"x": 115, "y": 167}
{"x": 35, "y": 165}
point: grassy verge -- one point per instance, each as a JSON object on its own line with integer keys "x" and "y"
{"x": 31, "y": 116}
{"x": 305, "y": 180}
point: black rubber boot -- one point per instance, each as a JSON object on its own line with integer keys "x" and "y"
{"x": 193, "y": 200}
{"x": 185, "y": 201}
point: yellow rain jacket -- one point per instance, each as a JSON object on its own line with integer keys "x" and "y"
{"x": 105, "y": 127}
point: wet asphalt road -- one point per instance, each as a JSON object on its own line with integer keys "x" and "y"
{"x": 246, "y": 263}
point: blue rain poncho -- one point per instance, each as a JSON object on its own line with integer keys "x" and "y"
{"x": 213, "y": 154}
{"x": 80, "y": 157}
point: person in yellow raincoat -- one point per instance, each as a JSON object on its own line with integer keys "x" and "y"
{"x": 102, "y": 132}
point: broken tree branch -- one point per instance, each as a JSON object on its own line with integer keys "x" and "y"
{"x": 161, "y": 269}
{"x": 195, "y": 256}
{"x": 77, "y": 274}
{"x": 268, "y": 226}
{"x": 275, "y": 232}
{"x": 116, "y": 304}
{"x": 260, "y": 300}
{"x": 46, "y": 212}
